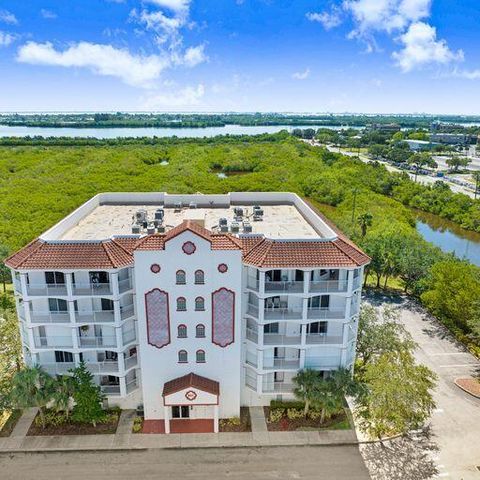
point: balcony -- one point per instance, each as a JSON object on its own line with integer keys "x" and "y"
{"x": 49, "y": 317}
{"x": 282, "y": 314}
{"x": 326, "y": 313}
{"x": 131, "y": 362}
{"x": 124, "y": 285}
{"x": 279, "y": 339}
{"x": 328, "y": 286}
{"x": 61, "y": 368}
{"x": 108, "y": 366}
{"x": 253, "y": 283}
{"x": 17, "y": 286}
{"x": 323, "y": 339}
{"x": 132, "y": 385}
{"x": 357, "y": 282}
{"x": 252, "y": 310}
{"x": 95, "y": 316}
{"x": 277, "y": 387}
{"x": 129, "y": 336}
{"x": 110, "y": 389}
{"x": 92, "y": 289}
{"x": 326, "y": 361}
{"x": 252, "y": 335}
{"x": 127, "y": 311}
{"x": 96, "y": 342}
{"x": 281, "y": 363}
{"x": 251, "y": 359}
{"x": 283, "y": 286}
{"x": 47, "y": 289}
{"x": 53, "y": 341}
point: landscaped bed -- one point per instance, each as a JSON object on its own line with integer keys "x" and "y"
{"x": 8, "y": 422}
{"x": 289, "y": 416}
{"x": 108, "y": 426}
{"x": 470, "y": 385}
{"x": 236, "y": 424}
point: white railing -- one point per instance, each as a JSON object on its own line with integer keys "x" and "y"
{"x": 46, "y": 289}
{"x": 59, "y": 368}
{"x": 328, "y": 286}
{"x": 132, "y": 385}
{"x": 282, "y": 314}
{"x": 131, "y": 362}
{"x": 52, "y": 341}
{"x": 110, "y": 389}
{"x": 127, "y": 311}
{"x": 284, "y": 286}
{"x": 252, "y": 283}
{"x": 280, "y": 363}
{"x": 93, "y": 342}
{"x": 277, "y": 387}
{"x": 322, "y": 338}
{"x": 92, "y": 289}
{"x": 327, "y": 361}
{"x": 252, "y": 335}
{"x": 251, "y": 359}
{"x": 102, "y": 367}
{"x": 252, "y": 310}
{"x": 129, "y": 336}
{"x": 49, "y": 317}
{"x": 326, "y": 312}
{"x": 17, "y": 286}
{"x": 124, "y": 285}
{"x": 357, "y": 282}
{"x": 96, "y": 316}
{"x": 251, "y": 381}
{"x": 279, "y": 339}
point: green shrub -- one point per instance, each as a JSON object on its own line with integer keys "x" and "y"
{"x": 232, "y": 422}
{"x": 137, "y": 425}
{"x": 293, "y": 404}
{"x": 52, "y": 419}
{"x": 294, "y": 413}
{"x": 276, "y": 414}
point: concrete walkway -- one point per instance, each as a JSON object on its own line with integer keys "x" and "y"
{"x": 24, "y": 422}
{"x": 257, "y": 419}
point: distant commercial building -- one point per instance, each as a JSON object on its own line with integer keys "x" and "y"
{"x": 453, "y": 138}
{"x": 420, "y": 145}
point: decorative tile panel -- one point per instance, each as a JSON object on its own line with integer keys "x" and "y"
{"x": 223, "y": 317}
{"x": 158, "y": 320}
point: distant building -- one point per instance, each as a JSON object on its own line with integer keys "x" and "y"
{"x": 453, "y": 138}
{"x": 420, "y": 145}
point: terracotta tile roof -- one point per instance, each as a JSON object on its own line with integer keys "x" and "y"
{"x": 280, "y": 254}
{"x": 191, "y": 380}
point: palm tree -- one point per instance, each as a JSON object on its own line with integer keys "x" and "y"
{"x": 64, "y": 388}
{"x": 306, "y": 382}
{"x": 365, "y": 221}
{"x": 327, "y": 399}
{"x": 476, "y": 177}
{"x": 32, "y": 387}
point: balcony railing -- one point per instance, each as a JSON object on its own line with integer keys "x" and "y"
{"x": 49, "y": 317}
{"x": 357, "y": 282}
{"x": 252, "y": 283}
{"x": 326, "y": 361}
{"x": 284, "y": 286}
{"x": 132, "y": 385}
{"x": 53, "y": 341}
{"x": 124, "y": 285}
{"x": 252, "y": 310}
{"x": 280, "y": 363}
{"x": 110, "y": 389}
{"x": 127, "y": 311}
{"x": 96, "y": 316}
{"x": 252, "y": 335}
{"x": 328, "y": 286}
{"x": 321, "y": 338}
{"x": 92, "y": 289}
{"x": 282, "y": 314}
{"x": 59, "y": 368}
{"x": 320, "y": 312}
{"x": 131, "y": 361}
{"x": 17, "y": 286}
{"x": 277, "y": 387}
{"x": 94, "y": 342}
{"x": 279, "y": 339}
{"x": 251, "y": 359}
{"x": 47, "y": 289}
{"x": 103, "y": 367}
{"x": 129, "y": 336}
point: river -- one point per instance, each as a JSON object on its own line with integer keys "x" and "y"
{"x": 116, "y": 132}
{"x": 449, "y": 237}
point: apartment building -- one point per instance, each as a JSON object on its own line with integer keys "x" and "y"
{"x": 190, "y": 305}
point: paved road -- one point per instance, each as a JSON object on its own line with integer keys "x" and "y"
{"x": 453, "y": 449}
{"x": 303, "y": 463}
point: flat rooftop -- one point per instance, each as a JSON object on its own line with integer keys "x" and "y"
{"x": 285, "y": 215}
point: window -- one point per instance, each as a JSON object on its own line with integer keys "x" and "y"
{"x": 200, "y": 356}
{"x": 200, "y": 331}
{"x": 270, "y": 328}
{"x": 54, "y": 278}
{"x": 180, "y": 411}
{"x": 57, "y": 305}
{"x": 181, "y": 304}
{"x": 319, "y": 302}
{"x": 181, "y": 279}
{"x": 317, "y": 328}
{"x": 99, "y": 277}
{"x": 107, "y": 304}
{"x": 182, "y": 331}
{"x": 199, "y": 277}
{"x": 63, "y": 357}
{"x": 182, "y": 356}
{"x": 199, "y": 304}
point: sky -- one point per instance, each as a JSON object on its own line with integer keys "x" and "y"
{"x": 371, "y": 56}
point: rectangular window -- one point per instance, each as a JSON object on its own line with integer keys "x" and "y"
{"x": 63, "y": 357}
{"x": 180, "y": 411}
{"x": 54, "y": 278}
{"x": 99, "y": 277}
{"x": 107, "y": 304}
{"x": 270, "y": 328}
{"x": 317, "y": 328}
{"x": 57, "y": 305}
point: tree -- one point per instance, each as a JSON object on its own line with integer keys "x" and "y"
{"x": 326, "y": 398}
{"x": 306, "y": 383}
{"x": 88, "y": 397}
{"x": 476, "y": 178}
{"x": 379, "y": 332}
{"x": 365, "y": 220}
{"x": 456, "y": 162}
{"x": 63, "y": 392}
{"x": 420, "y": 160}
{"x": 398, "y": 395}
{"x": 5, "y": 275}
{"x": 32, "y": 387}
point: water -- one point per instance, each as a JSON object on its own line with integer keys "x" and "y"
{"x": 449, "y": 237}
{"x": 8, "y": 131}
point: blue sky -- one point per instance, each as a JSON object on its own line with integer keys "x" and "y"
{"x": 240, "y": 55}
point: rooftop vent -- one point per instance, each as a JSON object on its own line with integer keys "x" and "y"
{"x": 159, "y": 214}
{"x": 177, "y": 207}
{"x": 224, "y": 228}
{"x": 150, "y": 229}
{"x": 161, "y": 229}
{"x": 247, "y": 227}
{"x": 234, "y": 227}
{"x": 238, "y": 211}
{"x": 222, "y": 221}
{"x": 140, "y": 216}
{"x": 135, "y": 229}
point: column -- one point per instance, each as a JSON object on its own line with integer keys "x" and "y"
{"x": 261, "y": 280}
{"x": 306, "y": 281}
{"x": 166, "y": 414}
{"x": 69, "y": 283}
{"x": 215, "y": 419}
{"x": 117, "y": 314}
{"x": 23, "y": 284}
{"x": 349, "y": 281}
{"x": 123, "y": 386}
{"x": 302, "y": 358}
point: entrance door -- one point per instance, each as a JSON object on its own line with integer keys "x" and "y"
{"x": 180, "y": 411}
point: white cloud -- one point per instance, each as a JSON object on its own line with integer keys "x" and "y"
{"x": 301, "y": 75}
{"x": 6, "y": 39}
{"x": 8, "y": 17}
{"x": 135, "y": 70}
{"x": 421, "y": 47}
{"x": 175, "y": 5}
{"x": 187, "y": 97}
{"x": 329, "y": 20}
{"x": 48, "y": 14}
{"x": 468, "y": 74}
{"x": 194, "y": 56}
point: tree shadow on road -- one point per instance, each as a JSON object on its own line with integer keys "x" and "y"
{"x": 405, "y": 458}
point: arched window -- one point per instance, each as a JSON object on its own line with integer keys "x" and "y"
{"x": 199, "y": 304}
{"x": 200, "y": 331}
{"x": 200, "y": 356}
{"x": 181, "y": 304}
{"x": 182, "y": 331}
{"x": 181, "y": 278}
{"x": 199, "y": 277}
{"x": 182, "y": 356}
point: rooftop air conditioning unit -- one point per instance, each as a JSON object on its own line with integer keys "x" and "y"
{"x": 150, "y": 229}
{"x": 177, "y": 207}
{"x": 234, "y": 227}
{"x": 192, "y": 205}
{"x": 238, "y": 211}
{"x": 159, "y": 214}
{"x": 247, "y": 227}
{"x": 224, "y": 228}
{"x": 222, "y": 221}
{"x": 140, "y": 216}
{"x": 161, "y": 229}
{"x": 136, "y": 229}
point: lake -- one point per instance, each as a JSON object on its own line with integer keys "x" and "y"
{"x": 449, "y": 237}
{"x": 8, "y": 131}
